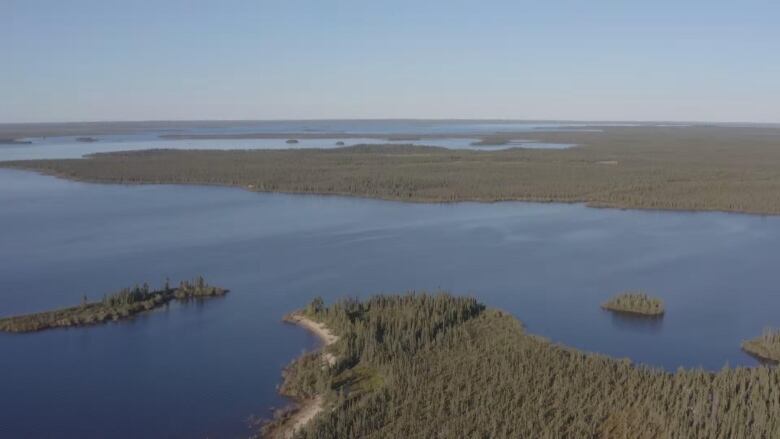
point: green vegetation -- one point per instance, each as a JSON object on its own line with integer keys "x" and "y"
{"x": 422, "y": 366}
{"x": 121, "y": 305}
{"x": 766, "y": 346}
{"x": 693, "y": 168}
{"x": 635, "y": 303}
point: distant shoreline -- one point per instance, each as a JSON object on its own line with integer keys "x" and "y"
{"x": 694, "y": 169}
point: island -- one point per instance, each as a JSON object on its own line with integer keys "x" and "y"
{"x": 435, "y": 365}
{"x": 117, "y": 306}
{"x": 637, "y": 303}
{"x": 86, "y": 139}
{"x": 14, "y": 142}
{"x": 765, "y": 347}
{"x": 291, "y": 141}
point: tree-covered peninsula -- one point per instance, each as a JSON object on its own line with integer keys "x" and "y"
{"x": 117, "y": 306}
{"x": 422, "y": 366}
{"x": 766, "y": 346}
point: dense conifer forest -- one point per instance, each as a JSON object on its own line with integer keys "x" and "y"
{"x": 635, "y": 303}
{"x": 120, "y": 305}
{"x": 437, "y": 366}
{"x": 766, "y": 346}
{"x": 722, "y": 168}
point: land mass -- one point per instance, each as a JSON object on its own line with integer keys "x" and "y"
{"x": 719, "y": 168}
{"x": 290, "y": 420}
{"x": 635, "y": 303}
{"x": 121, "y": 305}
{"x": 421, "y": 366}
{"x": 765, "y": 347}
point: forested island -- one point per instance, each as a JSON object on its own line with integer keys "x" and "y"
{"x": 117, "y": 306}
{"x": 635, "y": 303}
{"x": 421, "y": 366}
{"x": 724, "y": 168}
{"x": 766, "y": 346}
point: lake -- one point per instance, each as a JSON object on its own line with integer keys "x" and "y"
{"x": 62, "y": 147}
{"x": 198, "y": 370}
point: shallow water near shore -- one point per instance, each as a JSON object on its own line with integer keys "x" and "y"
{"x": 201, "y": 369}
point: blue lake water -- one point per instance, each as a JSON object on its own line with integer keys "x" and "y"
{"x": 200, "y": 370}
{"x": 69, "y": 147}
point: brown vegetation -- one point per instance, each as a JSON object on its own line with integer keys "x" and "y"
{"x": 421, "y": 366}
{"x": 766, "y": 346}
{"x": 693, "y": 168}
{"x": 121, "y": 305}
{"x": 635, "y": 303}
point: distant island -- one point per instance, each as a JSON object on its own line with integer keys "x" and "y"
{"x": 121, "y": 305}
{"x": 14, "y": 142}
{"x": 421, "y": 365}
{"x": 766, "y": 346}
{"x": 635, "y": 303}
{"x": 86, "y": 139}
{"x": 291, "y": 141}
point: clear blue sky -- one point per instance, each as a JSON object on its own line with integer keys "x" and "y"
{"x": 591, "y": 60}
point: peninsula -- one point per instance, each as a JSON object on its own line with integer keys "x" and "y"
{"x": 421, "y": 365}
{"x": 118, "y": 306}
{"x": 766, "y": 346}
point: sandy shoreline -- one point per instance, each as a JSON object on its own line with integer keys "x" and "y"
{"x": 310, "y": 408}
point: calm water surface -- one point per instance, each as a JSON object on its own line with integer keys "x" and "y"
{"x": 69, "y": 147}
{"x": 201, "y": 370}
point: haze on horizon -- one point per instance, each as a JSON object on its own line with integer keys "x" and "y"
{"x": 566, "y": 60}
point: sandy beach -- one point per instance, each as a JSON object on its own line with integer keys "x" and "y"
{"x": 308, "y": 409}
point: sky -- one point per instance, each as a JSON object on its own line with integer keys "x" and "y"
{"x": 621, "y": 60}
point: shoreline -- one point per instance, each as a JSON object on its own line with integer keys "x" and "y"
{"x": 419, "y": 200}
{"x": 306, "y": 410}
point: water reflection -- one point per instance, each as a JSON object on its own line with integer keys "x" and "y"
{"x": 636, "y": 322}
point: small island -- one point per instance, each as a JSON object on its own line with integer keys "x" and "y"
{"x": 121, "y": 305}
{"x": 291, "y": 141}
{"x": 86, "y": 139}
{"x": 635, "y": 303}
{"x": 766, "y": 346}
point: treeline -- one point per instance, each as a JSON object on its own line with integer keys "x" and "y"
{"x": 120, "y": 305}
{"x": 421, "y": 366}
{"x": 694, "y": 168}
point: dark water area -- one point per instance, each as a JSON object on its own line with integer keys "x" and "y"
{"x": 200, "y": 369}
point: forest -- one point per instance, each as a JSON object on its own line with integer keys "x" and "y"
{"x": 116, "y": 306}
{"x": 425, "y": 366}
{"x": 766, "y": 346}
{"x": 635, "y": 303}
{"x": 723, "y": 168}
